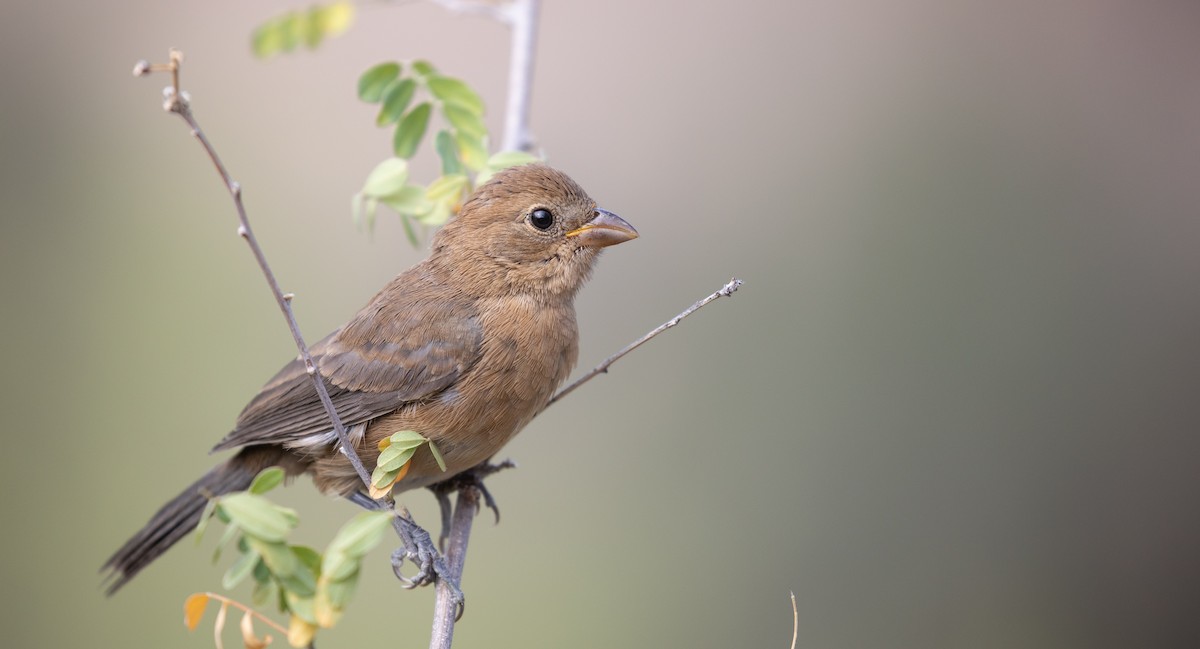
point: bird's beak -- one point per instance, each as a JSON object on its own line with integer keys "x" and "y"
{"x": 605, "y": 229}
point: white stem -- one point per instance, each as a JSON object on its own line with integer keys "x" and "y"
{"x": 522, "y": 18}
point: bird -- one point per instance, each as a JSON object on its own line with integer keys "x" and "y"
{"x": 464, "y": 348}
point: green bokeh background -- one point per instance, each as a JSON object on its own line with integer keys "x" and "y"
{"x": 955, "y": 404}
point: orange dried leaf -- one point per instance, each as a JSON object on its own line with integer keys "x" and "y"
{"x": 248, "y": 638}
{"x": 380, "y": 492}
{"x": 193, "y": 610}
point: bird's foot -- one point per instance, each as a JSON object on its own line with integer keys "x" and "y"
{"x": 472, "y": 478}
{"x": 417, "y": 547}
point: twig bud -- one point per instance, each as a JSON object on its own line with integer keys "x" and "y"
{"x": 141, "y": 68}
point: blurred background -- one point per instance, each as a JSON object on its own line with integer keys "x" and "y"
{"x": 954, "y": 405}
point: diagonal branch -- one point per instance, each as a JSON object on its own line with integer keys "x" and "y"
{"x": 177, "y": 102}
{"x": 602, "y": 368}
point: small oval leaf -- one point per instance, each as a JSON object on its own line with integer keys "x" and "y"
{"x": 396, "y": 98}
{"x": 448, "y": 152}
{"x": 410, "y": 131}
{"x": 386, "y": 179}
{"x": 267, "y": 479}
{"x": 451, "y": 90}
{"x": 464, "y": 121}
{"x": 423, "y": 68}
{"x": 374, "y": 81}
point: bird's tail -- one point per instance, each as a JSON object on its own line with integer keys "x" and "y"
{"x": 177, "y": 518}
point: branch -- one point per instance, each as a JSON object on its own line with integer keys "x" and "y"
{"x": 522, "y": 17}
{"x": 445, "y": 612}
{"x": 602, "y": 368}
{"x": 177, "y": 102}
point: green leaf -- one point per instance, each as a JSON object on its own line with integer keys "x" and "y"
{"x": 386, "y": 179}
{"x": 448, "y": 152}
{"x": 447, "y": 189}
{"x": 409, "y": 438}
{"x": 410, "y": 199}
{"x": 374, "y": 81}
{"x": 279, "y": 559}
{"x": 205, "y": 517}
{"x": 437, "y": 456}
{"x": 472, "y": 151}
{"x": 411, "y": 234}
{"x": 506, "y": 159}
{"x": 300, "y": 605}
{"x": 390, "y": 461}
{"x": 411, "y": 130}
{"x": 464, "y": 121}
{"x": 360, "y": 534}
{"x": 240, "y": 569}
{"x": 267, "y": 479}
{"x": 451, "y": 90}
{"x": 423, "y": 68}
{"x": 339, "y": 592}
{"x": 258, "y": 517}
{"x": 267, "y": 39}
{"x": 309, "y": 557}
{"x": 226, "y": 537}
{"x": 262, "y": 593}
{"x": 396, "y": 98}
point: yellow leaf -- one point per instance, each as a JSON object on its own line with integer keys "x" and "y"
{"x": 300, "y": 633}
{"x": 193, "y": 610}
{"x": 248, "y": 638}
{"x": 336, "y": 18}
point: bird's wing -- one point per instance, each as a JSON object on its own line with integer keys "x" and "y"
{"x": 404, "y": 346}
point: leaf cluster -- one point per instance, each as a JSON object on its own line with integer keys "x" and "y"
{"x": 307, "y": 27}
{"x": 312, "y": 588}
{"x": 408, "y": 97}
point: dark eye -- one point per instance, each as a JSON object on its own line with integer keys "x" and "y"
{"x": 541, "y": 219}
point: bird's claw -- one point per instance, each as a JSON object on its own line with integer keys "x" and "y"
{"x": 472, "y": 477}
{"x": 431, "y": 566}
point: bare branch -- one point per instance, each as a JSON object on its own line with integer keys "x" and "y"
{"x": 446, "y": 612}
{"x": 176, "y": 101}
{"x": 602, "y": 368}
{"x": 795, "y": 621}
{"x": 522, "y": 17}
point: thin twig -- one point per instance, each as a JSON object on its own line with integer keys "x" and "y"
{"x": 445, "y": 612}
{"x": 795, "y": 620}
{"x": 602, "y": 368}
{"x": 177, "y": 102}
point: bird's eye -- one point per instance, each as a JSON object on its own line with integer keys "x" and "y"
{"x": 541, "y": 219}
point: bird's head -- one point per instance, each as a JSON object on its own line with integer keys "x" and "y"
{"x": 529, "y": 229}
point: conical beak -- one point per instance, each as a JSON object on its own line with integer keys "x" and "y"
{"x": 605, "y": 229}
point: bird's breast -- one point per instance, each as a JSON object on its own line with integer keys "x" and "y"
{"x": 528, "y": 350}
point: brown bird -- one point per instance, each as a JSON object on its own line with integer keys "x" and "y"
{"x": 464, "y": 348}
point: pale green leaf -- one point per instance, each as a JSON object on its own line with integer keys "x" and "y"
{"x": 279, "y": 559}
{"x": 464, "y": 121}
{"x": 205, "y": 517}
{"x": 258, "y": 517}
{"x": 360, "y": 534}
{"x": 409, "y": 232}
{"x": 437, "y": 456}
{"x": 407, "y": 438}
{"x": 267, "y": 479}
{"x": 472, "y": 151}
{"x": 506, "y": 159}
{"x": 386, "y": 179}
{"x": 374, "y": 81}
{"x": 447, "y": 189}
{"x": 381, "y": 479}
{"x": 451, "y": 90}
{"x": 300, "y": 605}
{"x": 241, "y": 568}
{"x": 409, "y": 199}
{"x": 340, "y": 591}
{"x": 410, "y": 130}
